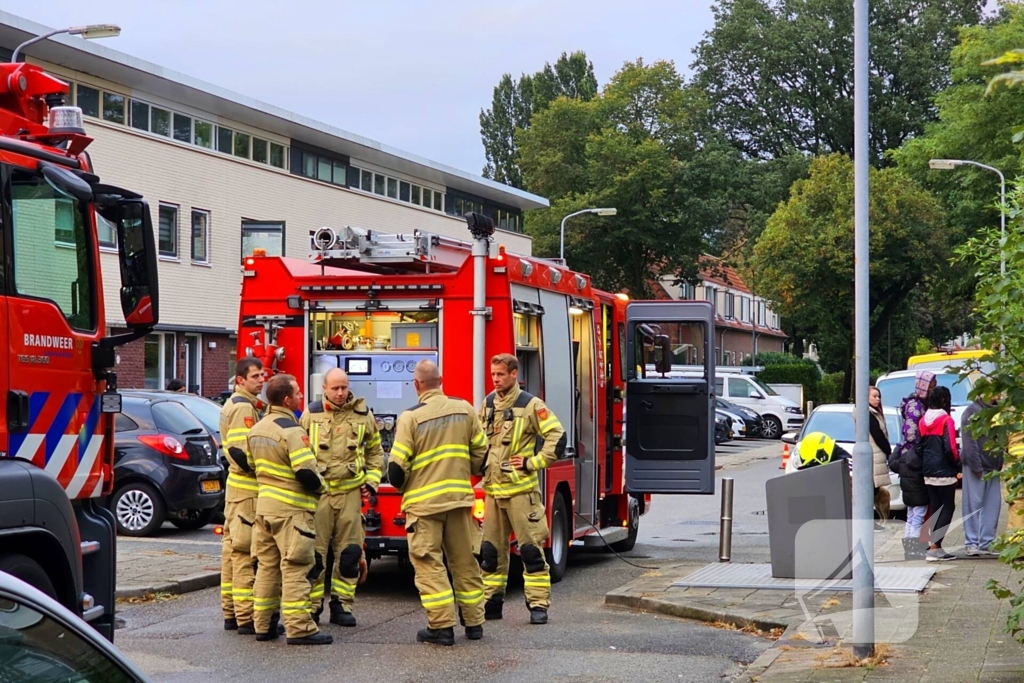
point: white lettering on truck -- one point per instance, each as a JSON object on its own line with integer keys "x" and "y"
{"x": 49, "y": 342}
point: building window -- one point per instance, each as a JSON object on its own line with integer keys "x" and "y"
{"x": 339, "y": 173}
{"x": 64, "y": 221}
{"x": 107, "y": 232}
{"x": 160, "y": 122}
{"x": 353, "y": 177}
{"x": 204, "y": 134}
{"x": 242, "y": 145}
{"x": 168, "y": 233}
{"x": 403, "y": 191}
{"x": 268, "y": 235}
{"x": 140, "y": 115}
{"x": 323, "y": 170}
{"x": 200, "y": 236}
{"x": 378, "y": 183}
{"x": 276, "y": 155}
{"x": 158, "y": 360}
{"x": 415, "y": 194}
{"x": 89, "y": 100}
{"x": 438, "y": 201}
{"x": 367, "y": 181}
{"x": 113, "y": 107}
{"x": 259, "y": 150}
{"x": 730, "y": 305}
{"x": 427, "y": 200}
{"x": 182, "y": 128}
{"x": 224, "y": 140}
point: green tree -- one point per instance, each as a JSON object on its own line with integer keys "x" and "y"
{"x": 643, "y": 147}
{"x": 779, "y": 73}
{"x": 514, "y": 103}
{"x": 804, "y": 258}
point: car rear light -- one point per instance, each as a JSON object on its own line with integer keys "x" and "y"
{"x": 167, "y": 445}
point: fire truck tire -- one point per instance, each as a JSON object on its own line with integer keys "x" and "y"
{"x": 138, "y": 508}
{"x": 624, "y": 546}
{"x": 29, "y": 571}
{"x": 558, "y": 553}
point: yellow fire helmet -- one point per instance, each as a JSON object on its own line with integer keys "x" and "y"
{"x": 816, "y": 448}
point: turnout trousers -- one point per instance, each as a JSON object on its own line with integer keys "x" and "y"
{"x": 284, "y": 546}
{"x": 522, "y": 514}
{"x": 432, "y": 539}
{"x": 236, "y": 563}
{"x": 339, "y": 526}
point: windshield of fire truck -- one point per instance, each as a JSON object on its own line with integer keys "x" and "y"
{"x": 53, "y": 248}
{"x": 389, "y": 330}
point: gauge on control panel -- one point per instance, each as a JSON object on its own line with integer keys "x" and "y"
{"x": 399, "y": 366}
{"x": 385, "y": 367}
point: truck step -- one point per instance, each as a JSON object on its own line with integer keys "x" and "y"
{"x": 609, "y": 535}
{"x": 90, "y": 547}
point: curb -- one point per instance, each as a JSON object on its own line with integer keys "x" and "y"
{"x": 738, "y": 620}
{"x": 186, "y": 584}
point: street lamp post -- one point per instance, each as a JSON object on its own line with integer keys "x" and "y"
{"x": 599, "y": 212}
{"x": 90, "y": 32}
{"x": 949, "y": 165}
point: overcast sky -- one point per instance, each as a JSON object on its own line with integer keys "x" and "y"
{"x": 412, "y": 74}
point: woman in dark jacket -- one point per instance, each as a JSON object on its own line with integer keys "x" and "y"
{"x": 907, "y": 463}
{"x": 940, "y": 463}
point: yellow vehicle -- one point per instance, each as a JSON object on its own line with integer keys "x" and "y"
{"x": 943, "y": 359}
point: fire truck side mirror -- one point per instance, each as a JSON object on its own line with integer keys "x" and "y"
{"x": 136, "y": 248}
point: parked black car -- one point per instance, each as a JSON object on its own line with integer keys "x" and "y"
{"x": 723, "y": 430}
{"x": 751, "y": 419}
{"x": 166, "y": 466}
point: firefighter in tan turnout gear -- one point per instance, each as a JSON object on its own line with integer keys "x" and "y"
{"x": 344, "y": 436}
{"x": 284, "y": 537}
{"x": 237, "y": 417}
{"x": 438, "y": 444}
{"x": 513, "y": 420}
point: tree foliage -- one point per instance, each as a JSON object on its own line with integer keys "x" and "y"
{"x": 514, "y": 103}
{"x": 803, "y": 261}
{"x": 643, "y": 147}
{"x": 779, "y": 73}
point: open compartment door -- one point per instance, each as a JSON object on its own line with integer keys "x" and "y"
{"x": 670, "y": 438}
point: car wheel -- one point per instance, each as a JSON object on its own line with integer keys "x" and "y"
{"x": 558, "y": 554}
{"x": 624, "y": 546}
{"x": 29, "y": 571}
{"x": 771, "y": 427}
{"x": 139, "y": 510}
{"x": 193, "y": 519}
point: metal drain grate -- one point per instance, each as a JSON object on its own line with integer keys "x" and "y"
{"x": 753, "y": 576}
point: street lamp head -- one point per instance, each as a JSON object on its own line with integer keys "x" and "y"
{"x": 606, "y": 212}
{"x": 94, "y": 31}
{"x": 944, "y": 164}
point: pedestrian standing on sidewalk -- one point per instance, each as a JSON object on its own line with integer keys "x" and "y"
{"x": 880, "y": 451}
{"x": 941, "y": 463}
{"x": 905, "y": 462}
{"x": 981, "y": 495}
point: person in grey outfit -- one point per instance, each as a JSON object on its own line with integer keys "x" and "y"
{"x": 981, "y": 496}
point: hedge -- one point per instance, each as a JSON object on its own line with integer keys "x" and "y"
{"x": 832, "y": 386}
{"x": 793, "y": 373}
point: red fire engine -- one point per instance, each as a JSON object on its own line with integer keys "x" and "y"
{"x": 375, "y": 304}
{"x": 56, "y": 433}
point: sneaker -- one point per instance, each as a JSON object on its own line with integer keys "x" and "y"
{"x": 879, "y": 526}
{"x": 440, "y": 636}
{"x": 314, "y": 639}
{"x": 973, "y": 551}
{"x": 939, "y": 555}
{"x": 474, "y": 632}
{"x": 985, "y": 552}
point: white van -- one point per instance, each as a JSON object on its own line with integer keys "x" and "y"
{"x": 779, "y": 413}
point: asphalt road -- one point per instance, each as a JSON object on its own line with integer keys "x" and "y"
{"x": 181, "y": 640}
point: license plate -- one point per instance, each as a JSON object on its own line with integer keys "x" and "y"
{"x": 211, "y": 486}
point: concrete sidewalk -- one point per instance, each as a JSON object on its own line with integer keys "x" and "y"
{"x": 166, "y": 565}
{"x": 953, "y": 631}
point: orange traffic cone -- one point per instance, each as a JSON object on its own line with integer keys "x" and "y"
{"x": 785, "y": 456}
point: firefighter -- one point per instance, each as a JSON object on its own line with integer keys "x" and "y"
{"x": 438, "y": 444}
{"x": 515, "y": 421}
{"x": 284, "y": 536}
{"x": 237, "y": 417}
{"x": 344, "y": 435}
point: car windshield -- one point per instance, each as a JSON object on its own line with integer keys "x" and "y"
{"x": 895, "y": 389}
{"x": 764, "y": 387}
{"x": 841, "y": 428}
{"x": 206, "y": 411}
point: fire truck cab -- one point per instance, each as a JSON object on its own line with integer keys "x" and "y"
{"x": 376, "y": 304}
{"x": 56, "y": 431}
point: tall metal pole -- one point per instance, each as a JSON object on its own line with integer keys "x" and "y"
{"x": 863, "y": 484}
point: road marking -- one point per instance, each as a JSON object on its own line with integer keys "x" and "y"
{"x": 165, "y": 541}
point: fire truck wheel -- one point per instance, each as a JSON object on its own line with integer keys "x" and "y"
{"x": 29, "y": 571}
{"x": 625, "y": 545}
{"x": 558, "y": 553}
{"x": 139, "y": 509}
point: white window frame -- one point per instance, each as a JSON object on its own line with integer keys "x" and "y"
{"x": 176, "y": 256}
{"x": 191, "y": 237}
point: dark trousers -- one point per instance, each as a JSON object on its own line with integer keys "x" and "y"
{"x": 941, "y": 504}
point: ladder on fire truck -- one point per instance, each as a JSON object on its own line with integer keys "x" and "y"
{"x": 418, "y": 251}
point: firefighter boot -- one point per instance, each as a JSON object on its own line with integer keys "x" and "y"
{"x": 318, "y": 638}
{"x": 340, "y": 616}
{"x": 538, "y": 615}
{"x": 275, "y": 631}
{"x": 249, "y": 629}
{"x": 492, "y": 608}
{"x": 437, "y": 636}
{"x": 230, "y": 625}
{"x": 474, "y": 632}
